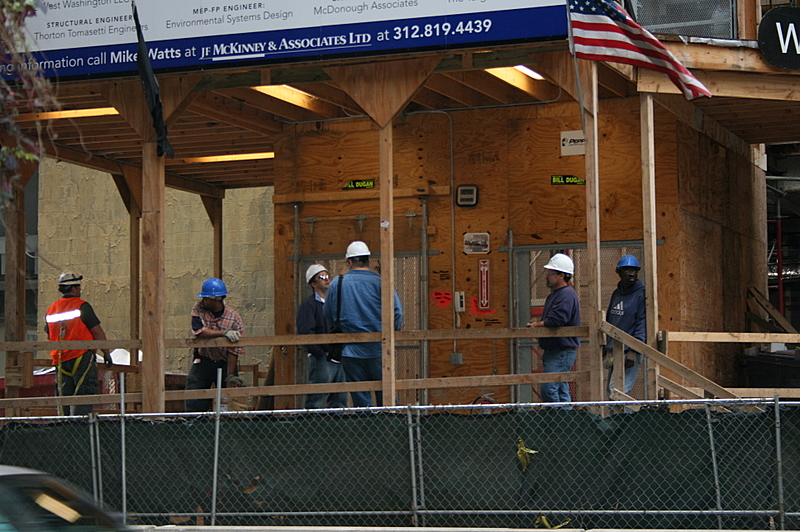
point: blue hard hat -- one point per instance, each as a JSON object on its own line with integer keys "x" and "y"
{"x": 628, "y": 261}
{"x": 213, "y": 287}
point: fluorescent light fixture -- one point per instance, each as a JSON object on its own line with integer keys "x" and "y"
{"x": 229, "y": 158}
{"x": 74, "y": 113}
{"x": 528, "y": 72}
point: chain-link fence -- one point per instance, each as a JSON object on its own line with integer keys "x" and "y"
{"x": 719, "y": 464}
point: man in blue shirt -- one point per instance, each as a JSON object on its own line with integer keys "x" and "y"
{"x": 561, "y": 309}
{"x": 354, "y": 304}
{"x": 626, "y": 311}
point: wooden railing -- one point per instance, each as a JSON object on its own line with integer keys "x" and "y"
{"x": 29, "y": 362}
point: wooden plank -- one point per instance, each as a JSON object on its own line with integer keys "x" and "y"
{"x": 733, "y": 337}
{"x": 386, "y": 158}
{"x": 359, "y": 194}
{"x": 670, "y": 364}
{"x": 588, "y": 74}
{"x": 278, "y": 340}
{"x": 705, "y": 57}
{"x": 649, "y": 215}
{"x": 674, "y": 387}
{"x": 153, "y": 279}
{"x": 617, "y": 395}
{"x": 213, "y": 208}
{"x": 749, "y": 85}
{"x": 384, "y": 89}
{"x": 619, "y": 366}
{"x": 771, "y": 310}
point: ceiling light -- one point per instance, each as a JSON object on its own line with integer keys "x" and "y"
{"x": 74, "y": 113}
{"x": 528, "y": 72}
{"x": 228, "y": 158}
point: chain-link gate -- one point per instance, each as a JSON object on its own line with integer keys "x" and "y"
{"x": 719, "y": 464}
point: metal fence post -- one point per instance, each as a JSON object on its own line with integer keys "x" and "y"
{"x": 94, "y": 451}
{"x": 216, "y": 449}
{"x": 413, "y": 463}
{"x": 420, "y": 469}
{"x": 779, "y": 465}
{"x": 123, "y": 449}
{"x": 713, "y": 447}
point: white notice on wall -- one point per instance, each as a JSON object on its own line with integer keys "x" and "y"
{"x": 573, "y": 143}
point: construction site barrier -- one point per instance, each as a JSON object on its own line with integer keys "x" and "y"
{"x": 705, "y": 464}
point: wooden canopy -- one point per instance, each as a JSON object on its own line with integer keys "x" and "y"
{"x": 236, "y": 114}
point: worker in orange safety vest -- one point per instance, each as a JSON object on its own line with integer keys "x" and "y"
{"x": 70, "y": 319}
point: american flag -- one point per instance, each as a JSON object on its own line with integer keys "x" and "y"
{"x": 602, "y": 31}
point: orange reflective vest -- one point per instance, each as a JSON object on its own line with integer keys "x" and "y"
{"x": 64, "y": 323}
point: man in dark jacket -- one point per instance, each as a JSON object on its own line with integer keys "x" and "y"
{"x": 626, "y": 311}
{"x": 561, "y": 309}
{"x": 310, "y": 320}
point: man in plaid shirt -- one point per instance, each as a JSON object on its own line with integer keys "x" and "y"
{"x": 211, "y": 318}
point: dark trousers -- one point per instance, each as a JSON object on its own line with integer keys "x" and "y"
{"x": 77, "y": 376}
{"x": 202, "y": 375}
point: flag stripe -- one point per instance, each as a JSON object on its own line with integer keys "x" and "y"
{"x": 602, "y": 31}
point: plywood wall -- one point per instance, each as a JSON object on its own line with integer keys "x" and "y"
{"x": 511, "y": 154}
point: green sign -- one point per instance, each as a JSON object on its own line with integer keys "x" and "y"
{"x": 359, "y": 183}
{"x": 566, "y": 180}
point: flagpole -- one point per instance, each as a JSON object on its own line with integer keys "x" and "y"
{"x": 577, "y": 71}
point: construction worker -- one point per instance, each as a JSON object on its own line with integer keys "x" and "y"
{"x": 626, "y": 311}
{"x": 310, "y": 320}
{"x": 72, "y": 318}
{"x": 211, "y": 318}
{"x": 561, "y": 309}
{"x": 354, "y": 305}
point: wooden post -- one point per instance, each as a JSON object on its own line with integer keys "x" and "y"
{"x": 597, "y": 381}
{"x": 129, "y": 185}
{"x": 386, "y": 170}
{"x": 153, "y": 280}
{"x": 214, "y": 210}
{"x": 649, "y": 226}
{"x": 15, "y": 289}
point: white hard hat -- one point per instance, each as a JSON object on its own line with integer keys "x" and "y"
{"x": 561, "y": 263}
{"x": 357, "y": 248}
{"x": 69, "y": 279}
{"x": 313, "y": 270}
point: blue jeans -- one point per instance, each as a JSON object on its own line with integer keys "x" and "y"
{"x": 630, "y": 376}
{"x": 360, "y": 370}
{"x": 325, "y": 372}
{"x": 553, "y": 361}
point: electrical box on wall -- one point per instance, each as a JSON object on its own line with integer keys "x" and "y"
{"x": 460, "y": 302}
{"x": 467, "y": 195}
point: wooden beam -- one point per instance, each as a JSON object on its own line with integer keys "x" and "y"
{"x": 81, "y": 158}
{"x": 359, "y": 194}
{"x": 674, "y": 387}
{"x": 588, "y": 73}
{"x": 386, "y": 173}
{"x": 734, "y": 337}
{"x": 540, "y": 89}
{"x": 231, "y": 115}
{"x": 301, "y": 99}
{"x": 15, "y": 273}
{"x": 153, "y": 280}
{"x": 708, "y": 57}
{"x": 558, "y": 68}
{"x": 213, "y": 208}
{"x": 771, "y": 310}
{"x": 670, "y": 364}
{"x": 649, "y": 225}
{"x": 750, "y": 85}
{"x": 384, "y": 89}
